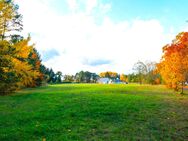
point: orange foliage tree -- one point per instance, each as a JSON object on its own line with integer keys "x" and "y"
{"x": 109, "y": 74}
{"x": 173, "y": 66}
{"x": 124, "y": 78}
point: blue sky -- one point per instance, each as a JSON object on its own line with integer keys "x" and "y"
{"x": 168, "y": 12}
{"x": 102, "y": 35}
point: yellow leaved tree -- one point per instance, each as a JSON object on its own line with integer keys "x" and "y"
{"x": 174, "y": 63}
{"x": 19, "y": 62}
{"x": 23, "y": 69}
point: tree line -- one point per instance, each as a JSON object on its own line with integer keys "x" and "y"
{"x": 172, "y": 70}
{"x": 144, "y": 76}
{"x": 21, "y": 65}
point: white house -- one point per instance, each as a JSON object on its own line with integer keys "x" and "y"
{"x": 110, "y": 81}
{"x": 104, "y": 81}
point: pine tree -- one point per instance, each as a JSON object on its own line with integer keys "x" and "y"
{"x": 10, "y": 20}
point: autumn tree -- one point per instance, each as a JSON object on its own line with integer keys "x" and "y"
{"x": 25, "y": 71}
{"x": 124, "y": 78}
{"x": 15, "y": 69}
{"x": 174, "y": 62}
{"x": 109, "y": 74}
{"x": 20, "y": 64}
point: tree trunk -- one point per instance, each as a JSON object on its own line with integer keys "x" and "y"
{"x": 182, "y": 88}
{"x": 140, "y": 77}
{"x": 4, "y": 29}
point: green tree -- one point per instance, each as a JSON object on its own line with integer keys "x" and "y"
{"x": 152, "y": 76}
{"x": 51, "y": 75}
{"x": 86, "y": 77}
{"x": 35, "y": 61}
{"x": 141, "y": 70}
{"x": 68, "y": 78}
{"x": 8, "y": 79}
{"x": 58, "y": 77}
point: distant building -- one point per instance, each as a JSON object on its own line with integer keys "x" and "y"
{"x": 104, "y": 80}
{"x": 109, "y": 81}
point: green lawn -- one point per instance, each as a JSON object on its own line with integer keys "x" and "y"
{"x": 94, "y": 112}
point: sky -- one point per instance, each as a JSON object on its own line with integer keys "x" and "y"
{"x": 101, "y": 35}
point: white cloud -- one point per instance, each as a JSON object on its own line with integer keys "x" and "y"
{"x": 72, "y": 5}
{"x": 90, "y": 4}
{"x": 77, "y": 37}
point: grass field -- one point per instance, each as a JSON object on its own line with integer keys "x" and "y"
{"x": 94, "y": 112}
